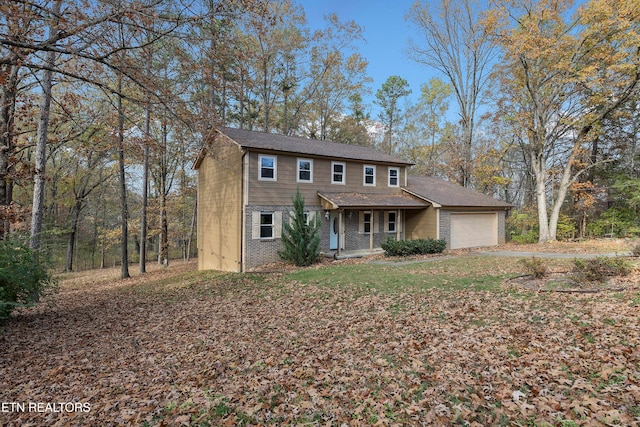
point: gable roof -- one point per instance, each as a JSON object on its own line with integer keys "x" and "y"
{"x": 310, "y": 147}
{"x": 445, "y": 193}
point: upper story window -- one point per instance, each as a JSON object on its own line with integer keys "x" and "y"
{"x": 338, "y": 171}
{"x": 369, "y": 172}
{"x": 394, "y": 177}
{"x": 268, "y": 168}
{"x": 305, "y": 170}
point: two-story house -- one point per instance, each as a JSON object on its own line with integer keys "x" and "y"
{"x": 246, "y": 182}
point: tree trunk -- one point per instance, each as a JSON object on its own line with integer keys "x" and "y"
{"x": 540, "y": 171}
{"x": 37, "y": 212}
{"x": 145, "y": 195}
{"x": 124, "y": 270}
{"x": 193, "y": 224}
{"x": 9, "y": 92}
{"x": 163, "y": 257}
{"x": 75, "y": 218}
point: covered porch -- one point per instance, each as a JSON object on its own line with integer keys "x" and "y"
{"x": 357, "y": 223}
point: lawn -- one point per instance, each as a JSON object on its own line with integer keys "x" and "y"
{"x": 441, "y": 342}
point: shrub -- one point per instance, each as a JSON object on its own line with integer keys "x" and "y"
{"x": 534, "y": 267}
{"x": 413, "y": 247}
{"x": 24, "y": 276}
{"x": 522, "y": 225}
{"x": 530, "y": 236}
{"x": 617, "y": 222}
{"x": 599, "y": 269}
{"x": 301, "y": 238}
{"x": 566, "y": 227}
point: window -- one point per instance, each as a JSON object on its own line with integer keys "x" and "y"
{"x": 268, "y": 168}
{"x": 338, "y": 172}
{"x": 391, "y": 221}
{"x": 305, "y": 170}
{"x": 266, "y": 225}
{"x": 367, "y": 222}
{"x": 369, "y": 172}
{"x": 394, "y": 177}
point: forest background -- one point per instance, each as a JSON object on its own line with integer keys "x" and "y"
{"x": 105, "y": 105}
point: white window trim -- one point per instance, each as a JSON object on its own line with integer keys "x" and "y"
{"x": 344, "y": 173}
{"x": 387, "y": 222}
{"x": 275, "y": 167}
{"x": 364, "y": 175}
{"x": 276, "y": 225}
{"x": 300, "y": 159}
{"x": 272, "y": 226}
{"x": 397, "y": 176}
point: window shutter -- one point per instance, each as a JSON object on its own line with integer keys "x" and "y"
{"x": 386, "y": 221}
{"x": 361, "y": 222}
{"x": 277, "y": 224}
{"x": 255, "y": 225}
{"x": 399, "y": 220}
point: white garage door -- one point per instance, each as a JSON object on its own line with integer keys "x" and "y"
{"x": 470, "y": 230}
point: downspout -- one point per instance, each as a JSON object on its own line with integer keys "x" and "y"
{"x": 244, "y": 192}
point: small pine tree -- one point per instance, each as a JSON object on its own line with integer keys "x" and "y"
{"x": 300, "y": 238}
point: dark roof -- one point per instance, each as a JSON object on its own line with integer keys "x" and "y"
{"x": 447, "y": 193}
{"x": 372, "y": 200}
{"x": 305, "y": 146}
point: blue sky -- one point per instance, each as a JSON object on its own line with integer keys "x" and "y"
{"x": 386, "y": 32}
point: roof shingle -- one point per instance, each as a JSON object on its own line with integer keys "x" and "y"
{"x": 372, "y": 200}
{"x": 447, "y": 193}
{"x": 310, "y": 147}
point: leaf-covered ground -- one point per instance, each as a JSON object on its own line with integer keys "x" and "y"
{"x": 178, "y": 347}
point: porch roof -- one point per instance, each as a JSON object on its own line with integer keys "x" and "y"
{"x": 370, "y": 201}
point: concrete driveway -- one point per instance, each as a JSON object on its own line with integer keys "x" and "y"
{"x": 554, "y": 255}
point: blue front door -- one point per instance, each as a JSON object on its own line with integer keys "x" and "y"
{"x": 334, "y": 229}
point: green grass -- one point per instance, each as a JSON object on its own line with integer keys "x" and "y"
{"x": 451, "y": 274}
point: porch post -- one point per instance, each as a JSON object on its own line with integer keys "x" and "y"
{"x": 371, "y": 233}
{"x": 339, "y": 230}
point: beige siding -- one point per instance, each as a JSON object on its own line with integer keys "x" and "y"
{"x": 421, "y": 224}
{"x": 281, "y": 191}
{"x": 220, "y": 208}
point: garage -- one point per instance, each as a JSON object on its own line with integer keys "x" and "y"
{"x": 470, "y": 230}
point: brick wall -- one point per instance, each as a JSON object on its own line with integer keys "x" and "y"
{"x": 445, "y": 227}
{"x": 264, "y": 251}
{"x": 355, "y": 240}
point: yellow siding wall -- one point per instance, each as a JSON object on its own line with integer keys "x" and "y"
{"x": 421, "y": 224}
{"x": 281, "y": 191}
{"x": 220, "y": 208}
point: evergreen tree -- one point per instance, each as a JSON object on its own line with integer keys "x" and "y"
{"x": 301, "y": 236}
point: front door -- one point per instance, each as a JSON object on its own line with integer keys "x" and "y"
{"x": 334, "y": 229}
